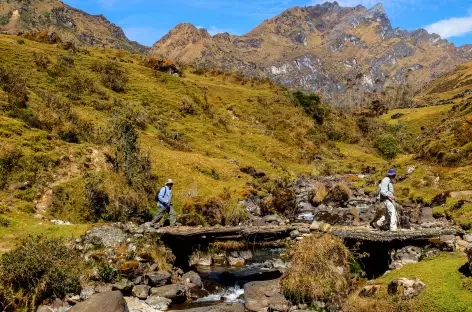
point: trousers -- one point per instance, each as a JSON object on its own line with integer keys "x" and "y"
{"x": 392, "y": 213}
{"x": 162, "y": 211}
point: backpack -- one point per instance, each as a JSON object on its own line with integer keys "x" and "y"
{"x": 157, "y": 194}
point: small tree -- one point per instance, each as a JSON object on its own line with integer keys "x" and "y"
{"x": 387, "y": 145}
{"x": 312, "y": 106}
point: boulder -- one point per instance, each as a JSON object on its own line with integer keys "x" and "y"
{"x": 408, "y": 254}
{"x": 468, "y": 238}
{"x": 406, "y": 288}
{"x": 320, "y": 226}
{"x": 469, "y": 256}
{"x": 266, "y": 295}
{"x": 224, "y": 307}
{"x": 192, "y": 277}
{"x": 111, "y": 301}
{"x": 136, "y": 305}
{"x": 158, "y": 303}
{"x": 124, "y": 285}
{"x": 236, "y": 261}
{"x": 158, "y": 279}
{"x": 245, "y": 254}
{"x": 105, "y": 236}
{"x": 174, "y": 292}
{"x": 294, "y": 234}
{"x": 200, "y": 259}
{"x": 369, "y": 291}
{"x": 141, "y": 291}
{"x": 87, "y": 292}
{"x": 445, "y": 242}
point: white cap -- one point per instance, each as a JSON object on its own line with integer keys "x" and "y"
{"x": 170, "y": 181}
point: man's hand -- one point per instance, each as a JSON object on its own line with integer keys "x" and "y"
{"x": 392, "y": 197}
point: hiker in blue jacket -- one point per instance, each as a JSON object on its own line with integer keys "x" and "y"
{"x": 164, "y": 204}
{"x": 387, "y": 198}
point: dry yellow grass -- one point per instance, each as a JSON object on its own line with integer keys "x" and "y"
{"x": 319, "y": 271}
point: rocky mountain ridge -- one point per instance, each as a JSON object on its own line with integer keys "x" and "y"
{"x": 325, "y": 48}
{"x": 68, "y": 23}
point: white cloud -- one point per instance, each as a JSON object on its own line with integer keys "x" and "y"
{"x": 452, "y": 27}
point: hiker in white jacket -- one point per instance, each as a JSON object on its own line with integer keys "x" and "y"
{"x": 387, "y": 198}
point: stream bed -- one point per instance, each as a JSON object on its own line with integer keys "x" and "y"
{"x": 225, "y": 284}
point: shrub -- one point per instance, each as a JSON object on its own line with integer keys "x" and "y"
{"x": 319, "y": 272}
{"x": 97, "y": 199}
{"x": 113, "y": 75}
{"x": 312, "y": 106}
{"x": 39, "y": 269}
{"x": 14, "y": 83}
{"x": 387, "y": 145}
{"x": 319, "y": 193}
{"x": 20, "y": 41}
{"x": 66, "y": 60}
{"x": 42, "y": 60}
{"x": 9, "y": 160}
{"x": 188, "y": 106}
{"x": 210, "y": 209}
{"x": 161, "y": 65}
{"x": 4, "y": 222}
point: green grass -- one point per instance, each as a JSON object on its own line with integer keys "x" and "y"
{"x": 445, "y": 287}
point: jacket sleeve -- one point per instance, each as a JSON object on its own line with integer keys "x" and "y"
{"x": 385, "y": 188}
{"x": 162, "y": 196}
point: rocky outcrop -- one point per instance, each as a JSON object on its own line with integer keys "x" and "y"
{"x": 262, "y": 296}
{"x": 469, "y": 256}
{"x": 406, "y": 288}
{"x": 176, "y": 292}
{"x": 105, "y": 302}
{"x": 406, "y": 255}
{"x": 76, "y": 26}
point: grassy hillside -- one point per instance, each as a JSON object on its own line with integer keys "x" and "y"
{"x": 69, "y": 119}
{"x": 89, "y": 136}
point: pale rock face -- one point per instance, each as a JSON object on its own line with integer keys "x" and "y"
{"x": 406, "y": 288}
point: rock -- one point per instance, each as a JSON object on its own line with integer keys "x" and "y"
{"x": 174, "y": 292}
{"x": 236, "y": 261}
{"x": 468, "y": 238}
{"x": 200, "y": 259}
{"x": 103, "y": 288}
{"x": 294, "y": 234}
{"x": 105, "y": 236}
{"x": 266, "y": 295}
{"x": 439, "y": 200}
{"x": 87, "y": 292}
{"x": 445, "y": 242}
{"x": 369, "y": 291}
{"x": 462, "y": 244}
{"x": 111, "y": 301}
{"x": 141, "y": 291}
{"x": 124, "y": 285}
{"x": 193, "y": 278}
{"x": 159, "y": 303}
{"x": 468, "y": 251}
{"x": 219, "y": 259}
{"x": 272, "y": 218}
{"x": 406, "y": 288}
{"x": 158, "y": 279}
{"x": 44, "y": 308}
{"x": 245, "y": 254}
{"x": 138, "y": 280}
{"x": 408, "y": 254}
{"x": 136, "y": 305}
{"x": 223, "y": 307}
{"x": 320, "y": 226}
{"x": 430, "y": 253}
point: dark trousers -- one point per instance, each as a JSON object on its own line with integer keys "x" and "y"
{"x": 162, "y": 211}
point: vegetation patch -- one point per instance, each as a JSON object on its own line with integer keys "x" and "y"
{"x": 320, "y": 272}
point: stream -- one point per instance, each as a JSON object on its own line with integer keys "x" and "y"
{"x": 225, "y": 284}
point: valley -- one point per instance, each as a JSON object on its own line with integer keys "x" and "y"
{"x": 275, "y": 188}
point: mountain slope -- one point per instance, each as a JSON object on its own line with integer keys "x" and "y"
{"x": 324, "y": 48}
{"x": 69, "y": 23}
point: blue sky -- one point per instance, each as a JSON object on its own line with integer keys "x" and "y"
{"x": 146, "y": 21}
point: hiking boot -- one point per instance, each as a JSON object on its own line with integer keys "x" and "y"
{"x": 375, "y": 226}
